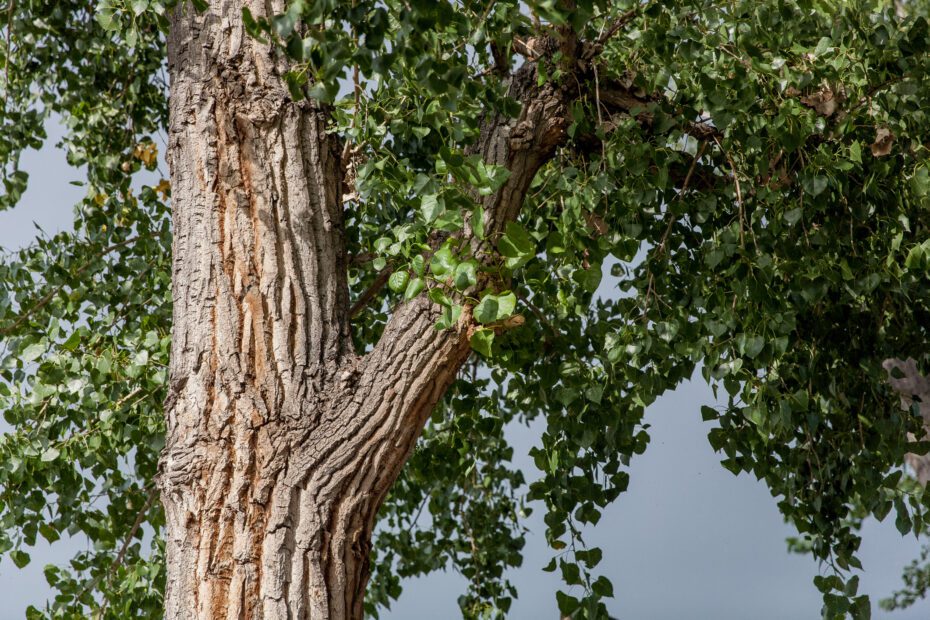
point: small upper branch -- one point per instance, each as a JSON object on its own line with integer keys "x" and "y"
{"x": 617, "y": 24}
{"x": 5, "y": 331}
{"x": 372, "y": 291}
{"x": 522, "y": 145}
{"x": 618, "y": 99}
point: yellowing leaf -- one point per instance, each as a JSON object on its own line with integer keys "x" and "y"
{"x": 163, "y": 188}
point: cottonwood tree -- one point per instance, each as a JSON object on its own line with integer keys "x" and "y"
{"x": 390, "y": 224}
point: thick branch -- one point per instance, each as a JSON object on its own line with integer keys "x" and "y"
{"x": 522, "y": 145}
{"x": 618, "y": 99}
{"x": 619, "y": 23}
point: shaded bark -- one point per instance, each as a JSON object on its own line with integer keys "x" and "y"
{"x": 912, "y": 387}
{"x": 283, "y": 441}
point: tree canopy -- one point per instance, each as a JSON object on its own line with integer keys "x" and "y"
{"x": 753, "y": 175}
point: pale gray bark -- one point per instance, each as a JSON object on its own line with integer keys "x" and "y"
{"x": 908, "y": 384}
{"x": 282, "y": 441}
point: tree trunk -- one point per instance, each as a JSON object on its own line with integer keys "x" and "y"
{"x": 282, "y": 442}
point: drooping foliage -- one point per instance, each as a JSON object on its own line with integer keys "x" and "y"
{"x": 752, "y": 175}
{"x": 84, "y": 314}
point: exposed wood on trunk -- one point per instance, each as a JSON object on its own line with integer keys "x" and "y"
{"x": 282, "y": 441}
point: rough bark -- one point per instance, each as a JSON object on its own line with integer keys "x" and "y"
{"x": 910, "y": 384}
{"x": 282, "y": 441}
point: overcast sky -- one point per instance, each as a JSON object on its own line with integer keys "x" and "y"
{"x": 688, "y": 540}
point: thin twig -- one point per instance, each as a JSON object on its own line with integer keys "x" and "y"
{"x": 363, "y": 300}
{"x": 6, "y": 59}
{"x": 739, "y": 193}
{"x": 619, "y": 23}
{"x": 536, "y": 311}
{"x": 121, "y": 554}
{"x": 684, "y": 188}
{"x": 118, "y": 560}
{"x": 51, "y": 294}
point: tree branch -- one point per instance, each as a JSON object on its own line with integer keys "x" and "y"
{"x": 619, "y": 99}
{"x": 51, "y": 294}
{"x": 619, "y": 23}
{"x": 121, "y": 554}
{"x": 369, "y": 294}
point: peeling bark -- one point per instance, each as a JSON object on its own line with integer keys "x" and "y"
{"x": 283, "y": 441}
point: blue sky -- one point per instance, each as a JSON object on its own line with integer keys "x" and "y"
{"x": 688, "y": 540}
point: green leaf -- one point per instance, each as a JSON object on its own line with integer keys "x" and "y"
{"x": 139, "y": 6}
{"x": 438, "y": 296}
{"x": 443, "y": 262}
{"x": 793, "y": 216}
{"x": 855, "y": 152}
{"x": 430, "y": 207}
{"x": 477, "y": 222}
{"x": 20, "y": 558}
{"x": 822, "y": 46}
{"x": 594, "y": 393}
{"x": 450, "y": 220}
{"x": 603, "y": 587}
{"x": 571, "y": 574}
{"x": 33, "y": 351}
{"x": 750, "y": 346}
{"x": 106, "y": 19}
{"x": 482, "y": 340}
{"x": 815, "y": 185}
{"x": 920, "y": 182}
{"x": 283, "y": 24}
{"x": 450, "y": 316}
{"x": 915, "y": 258}
{"x": 50, "y": 454}
{"x": 493, "y": 308}
{"x": 397, "y": 282}
{"x": 589, "y": 279}
{"x": 418, "y": 264}
{"x": 48, "y": 532}
{"x": 516, "y": 246}
{"x": 466, "y": 274}
{"x": 72, "y": 342}
{"x": 414, "y": 287}
{"x": 567, "y": 604}
{"x": 902, "y": 520}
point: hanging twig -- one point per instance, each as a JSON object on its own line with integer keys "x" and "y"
{"x": 121, "y": 554}
{"x": 6, "y": 59}
{"x": 619, "y": 23}
{"x": 684, "y": 188}
{"x": 739, "y": 193}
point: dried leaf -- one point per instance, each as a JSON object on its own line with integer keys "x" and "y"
{"x": 883, "y": 140}
{"x": 596, "y": 224}
{"x": 825, "y": 102}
